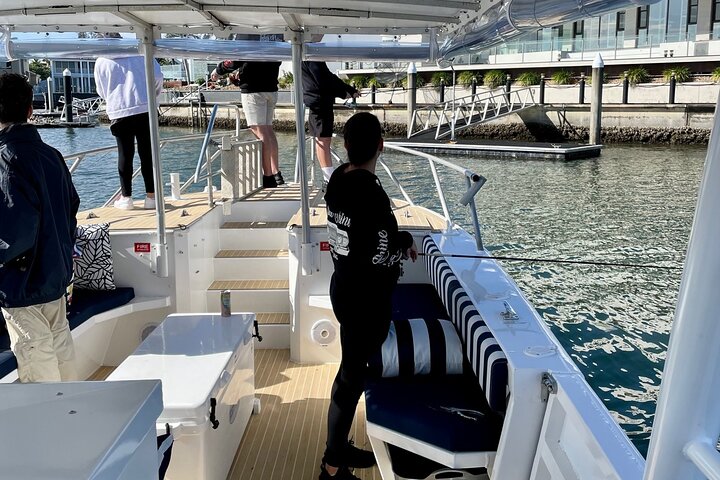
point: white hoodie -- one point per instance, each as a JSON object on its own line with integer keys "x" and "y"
{"x": 121, "y": 82}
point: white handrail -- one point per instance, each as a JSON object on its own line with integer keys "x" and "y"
{"x": 706, "y": 457}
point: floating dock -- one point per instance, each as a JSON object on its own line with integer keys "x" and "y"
{"x": 505, "y": 149}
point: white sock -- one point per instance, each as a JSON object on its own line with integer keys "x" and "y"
{"x": 327, "y": 171}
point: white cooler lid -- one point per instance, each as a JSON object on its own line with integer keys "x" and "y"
{"x": 188, "y": 353}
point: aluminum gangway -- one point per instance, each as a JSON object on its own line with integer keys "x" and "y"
{"x": 447, "y": 118}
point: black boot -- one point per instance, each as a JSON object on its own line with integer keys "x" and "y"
{"x": 279, "y": 178}
{"x": 269, "y": 181}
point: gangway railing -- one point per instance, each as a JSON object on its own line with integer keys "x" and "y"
{"x": 449, "y": 117}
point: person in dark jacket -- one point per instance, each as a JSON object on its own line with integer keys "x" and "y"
{"x": 38, "y": 204}
{"x": 258, "y": 82}
{"x": 366, "y": 249}
{"x": 320, "y": 88}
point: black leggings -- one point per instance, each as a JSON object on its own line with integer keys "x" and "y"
{"x": 126, "y": 130}
{"x": 362, "y": 332}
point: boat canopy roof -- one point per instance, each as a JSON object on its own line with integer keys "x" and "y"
{"x": 454, "y": 26}
{"x": 225, "y": 17}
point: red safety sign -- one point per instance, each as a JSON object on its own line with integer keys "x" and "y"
{"x": 324, "y": 246}
{"x": 142, "y": 247}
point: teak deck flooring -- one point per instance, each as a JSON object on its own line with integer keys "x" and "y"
{"x": 285, "y": 441}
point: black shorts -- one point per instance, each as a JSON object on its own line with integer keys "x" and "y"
{"x": 321, "y": 121}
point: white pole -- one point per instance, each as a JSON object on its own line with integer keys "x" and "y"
{"x": 161, "y": 241}
{"x": 306, "y": 246}
{"x": 687, "y": 409}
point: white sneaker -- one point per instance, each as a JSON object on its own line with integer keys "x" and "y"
{"x": 124, "y": 203}
{"x": 149, "y": 203}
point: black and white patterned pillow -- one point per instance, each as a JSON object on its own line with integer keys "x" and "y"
{"x": 93, "y": 266}
{"x": 419, "y": 346}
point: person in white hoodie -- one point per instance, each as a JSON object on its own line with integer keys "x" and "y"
{"x": 121, "y": 83}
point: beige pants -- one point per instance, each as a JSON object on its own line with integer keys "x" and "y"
{"x": 41, "y": 341}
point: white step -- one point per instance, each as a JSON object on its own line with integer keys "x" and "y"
{"x": 251, "y": 264}
{"x": 251, "y": 300}
{"x": 257, "y": 235}
{"x": 271, "y": 210}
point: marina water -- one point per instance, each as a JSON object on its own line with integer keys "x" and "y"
{"x": 634, "y": 204}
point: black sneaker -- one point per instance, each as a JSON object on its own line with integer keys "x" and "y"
{"x": 269, "y": 181}
{"x": 279, "y": 178}
{"x": 343, "y": 473}
{"x": 358, "y": 458}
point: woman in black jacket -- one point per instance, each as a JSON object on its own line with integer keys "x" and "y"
{"x": 366, "y": 249}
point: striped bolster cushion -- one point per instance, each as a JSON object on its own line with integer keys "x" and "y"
{"x": 419, "y": 346}
{"x": 482, "y": 351}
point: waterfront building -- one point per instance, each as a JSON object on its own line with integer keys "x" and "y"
{"x": 668, "y": 32}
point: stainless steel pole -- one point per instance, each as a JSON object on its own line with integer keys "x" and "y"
{"x": 147, "y": 48}
{"x": 411, "y": 95}
{"x": 306, "y": 247}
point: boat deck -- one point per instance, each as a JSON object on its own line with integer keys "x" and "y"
{"x": 285, "y": 441}
{"x": 185, "y": 212}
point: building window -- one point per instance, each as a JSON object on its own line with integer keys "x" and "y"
{"x": 579, "y": 27}
{"x": 620, "y": 22}
{"x": 643, "y": 13}
{"x": 692, "y": 12}
{"x": 716, "y": 11}
{"x": 558, "y": 31}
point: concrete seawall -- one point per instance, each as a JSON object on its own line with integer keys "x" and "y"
{"x": 651, "y": 123}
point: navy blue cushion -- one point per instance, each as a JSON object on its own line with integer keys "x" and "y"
{"x": 85, "y": 304}
{"x": 417, "y": 300}
{"x": 449, "y": 412}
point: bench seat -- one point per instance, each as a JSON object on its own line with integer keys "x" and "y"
{"x": 85, "y": 305}
{"x": 453, "y": 420}
{"x": 448, "y": 412}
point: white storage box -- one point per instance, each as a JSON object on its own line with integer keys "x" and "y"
{"x": 206, "y": 366}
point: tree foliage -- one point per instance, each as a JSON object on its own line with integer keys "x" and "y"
{"x": 40, "y": 68}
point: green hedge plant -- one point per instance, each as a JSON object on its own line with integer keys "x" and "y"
{"x": 527, "y": 79}
{"x": 637, "y": 75}
{"x": 562, "y": 77}
{"x": 494, "y": 78}
{"x": 359, "y": 81}
{"x": 682, "y": 74}
{"x": 466, "y": 77}
{"x": 715, "y": 75}
{"x": 441, "y": 77}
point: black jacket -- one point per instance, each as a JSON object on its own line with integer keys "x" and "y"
{"x": 365, "y": 244}
{"x": 253, "y": 77}
{"x": 38, "y": 204}
{"x": 321, "y": 86}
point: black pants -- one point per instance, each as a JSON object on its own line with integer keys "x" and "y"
{"x": 364, "y": 324}
{"x": 126, "y": 130}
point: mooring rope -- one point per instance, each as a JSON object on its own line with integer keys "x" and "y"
{"x": 550, "y": 260}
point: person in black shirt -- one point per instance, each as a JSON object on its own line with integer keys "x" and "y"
{"x": 258, "y": 82}
{"x": 366, "y": 249}
{"x": 320, "y": 87}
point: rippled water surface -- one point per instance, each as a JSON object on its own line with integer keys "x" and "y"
{"x": 634, "y": 204}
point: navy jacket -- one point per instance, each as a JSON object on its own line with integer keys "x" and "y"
{"x": 321, "y": 86}
{"x": 253, "y": 77}
{"x": 38, "y": 204}
{"x": 365, "y": 244}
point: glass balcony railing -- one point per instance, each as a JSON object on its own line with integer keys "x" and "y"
{"x": 672, "y": 45}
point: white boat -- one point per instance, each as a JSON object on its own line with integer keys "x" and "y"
{"x": 268, "y": 247}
